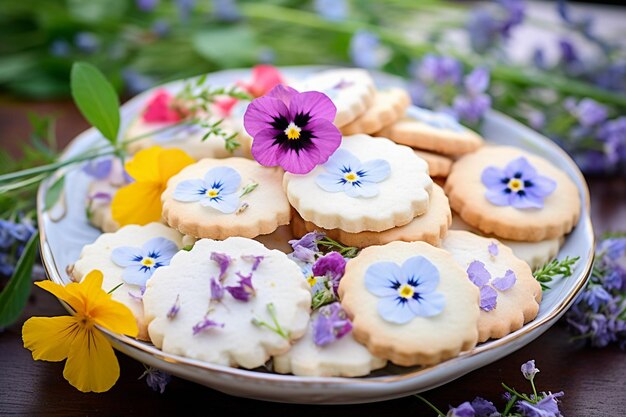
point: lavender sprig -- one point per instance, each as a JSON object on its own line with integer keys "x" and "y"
{"x": 553, "y": 269}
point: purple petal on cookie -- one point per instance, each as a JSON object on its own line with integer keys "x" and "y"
{"x": 99, "y": 168}
{"x": 505, "y": 282}
{"x": 488, "y": 298}
{"x": 244, "y": 291}
{"x": 478, "y": 274}
{"x": 223, "y": 261}
{"x": 331, "y": 324}
{"x": 256, "y": 260}
{"x": 174, "y": 309}
{"x": 217, "y": 290}
{"x": 206, "y": 323}
{"x": 493, "y": 249}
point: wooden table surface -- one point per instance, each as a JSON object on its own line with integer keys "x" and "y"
{"x": 594, "y": 380}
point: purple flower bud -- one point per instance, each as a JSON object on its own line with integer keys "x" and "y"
{"x": 244, "y": 291}
{"x": 529, "y": 370}
{"x": 217, "y": 290}
{"x": 568, "y": 51}
{"x": 223, "y": 261}
{"x": 206, "y": 323}
{"x": 256, "y": 260}
{"x": 331, "y": 324}
{"x": 332, "y": 265}
{"x": 156, "y": 379}
{"x": 173, "y": 311}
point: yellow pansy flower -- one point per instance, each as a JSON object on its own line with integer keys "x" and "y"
{"x": 151, "y": 168}
{"x": 91, "y": 364}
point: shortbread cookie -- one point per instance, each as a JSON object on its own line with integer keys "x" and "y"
{"x": 438, "y": 165}
{"x": 509, "y": 293}
{"x": 535, "y": 254}
{"x": 367, "y": 184}
{"x": 127, "y": 259}
{"x": 432, "y": 131}
{"x": 430, "y": 227}
{"x": 211, "y": 302}
{"x": 351, "y": 90}
{"x": 218, "y": 198}
{"x": 389, "y": 105}
{"x": 513, "y": 194}
{"x": 313, "y": 355}
{"x": 410, "y": 303}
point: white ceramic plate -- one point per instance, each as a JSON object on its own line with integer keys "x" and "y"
{"x": 62, "y": 241}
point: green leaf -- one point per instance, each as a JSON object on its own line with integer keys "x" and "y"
{"x": 14, "y": 296}
{"x": 96, "y": 99}
{"x": 227, "y": 46}
{"x": 54, "y": 193}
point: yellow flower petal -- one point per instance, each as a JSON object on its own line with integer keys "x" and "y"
{"x": 137, "y": 203}
{"x": 49, "y": 338}
{"x": 89, "y": 291}
{"x": 171, "y": 162}
{"x": 61, "y": 292}
{"x": 91, "y": 363}
{"x": 144, "y": 166}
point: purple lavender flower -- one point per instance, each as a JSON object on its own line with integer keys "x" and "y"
{"x": 205, "y": 324}
{"x": 332, "y": 265}
{"x": 366, "y": 51}
{"x": 223, "y": 261}
{"x": 217, "y": 290}
{"x": 305, "y": 249}
{"x": 613, "y": 134}
{"x": 613, "y": 248}
{"x": 477, "y": 81}
{"x": 332, "y": 10}
{"x": 256, "y": 260}
{"x": 529, "y": 370}
{"x": 156, "y": 379}
{"x": 462, "y": 410}
{"x": 146, "y": 5}
{"x": 174, "y": 309}
{"x": 517, "y": 185}
{"x": 331, "y": 324}
{"x": 244, "y": 290}
{"x": 596, "y": 297}
{"x": 590, "y": 113}
{"x": 99, "y": 168}
{"x": 440, "y": 70}
{"x": 484, "y": 408}
{"x": 547, "y": 407}
{"x": 471, "y": 108}
{"x": 488, "y": 26}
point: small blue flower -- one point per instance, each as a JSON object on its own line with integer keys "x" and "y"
{"x": 140, "y": 263}
{"x": 406, "y": 291}
{"x": 332, "y": 10}
{"x": 217, "y": 190}
{"x": 87, "y": 42}
{"x": 345, "y": 173}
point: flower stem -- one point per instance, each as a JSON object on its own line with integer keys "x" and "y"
{"x": 428, "y": 403}
{"x": 513, "y": 392}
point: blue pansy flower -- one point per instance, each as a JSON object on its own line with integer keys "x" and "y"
{"x": 345, "y": 173}
{"x": 405, "y": 291}
{"x": 218, "y": 190}
{"x": 140, "y": 263}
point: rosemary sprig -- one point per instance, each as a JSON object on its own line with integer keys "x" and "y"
{"x": 331, "y": 244}
{"x": 553, "y": 269}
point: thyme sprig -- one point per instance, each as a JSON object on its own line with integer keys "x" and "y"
{"x": 553, "y": 269}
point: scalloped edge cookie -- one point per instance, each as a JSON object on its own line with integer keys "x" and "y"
{"x": 388, "y": 106}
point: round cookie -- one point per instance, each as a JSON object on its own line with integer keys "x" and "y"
{"x": 513, "y": 194}
{"x": 438, "y": 165}
{"x": 190, "y": 316}
{"x": 430, "y": 227}
{"x": 351, "y": 90}
{"x": 432, "y": 131}
{"x": 343, "y": 357}
{"x": 535, "y": 254}
{"x": 367, "y": 184}
{"x": 214, "y": 198}
{"x": 510, "y": 294}
{"x": 389, "y": 105}
{"x": 410, "y": 303}
{"x": 99, "y": 255}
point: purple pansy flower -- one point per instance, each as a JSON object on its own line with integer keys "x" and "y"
{"x": 345, "y": 173}
{"x": 204, "y": 324}
{"x": 292, "y": 129}
{"x": 244, "y": 290}
{"x": 223, "y": 261}
{"x": 547, "y": 407}
{"x": 174, "y": 309}
{"x": 529, "y": 370}
{"x": 332, "y": 265}
{"x": 218, "y": 190}
{"x": 331, "y": 324}
{"x": 305, "y": 248}
{"x": 517, "y": 185}
{"x": 98, "y": 168}
{"x": 140, "y": 263}
{"x": 478, "y": 274}
{"x": 256, "y": 260}
{"x": 406, "y": 291}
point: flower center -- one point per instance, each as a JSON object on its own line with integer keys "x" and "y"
{"x": 312, "y": 280}
{"x": 293, "y": 131}
{"x": 148, "y": 262}
{"x": 350, "y": 176}
{"x": 212, "y": 193}
{"x": 406, "y": 291}
{"x": 516, "y": 184}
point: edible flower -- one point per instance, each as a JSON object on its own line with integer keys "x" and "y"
{"x": 244, "y": 290}
{"x": 405, "y": 291}
{"x": 204, "y": 324}
{"x": 140, "y": 263}
{"x": 305, "y": 249}
{"x": 332, "y": 265}
{"x": 223, "y": 260}
{"x": 345, "y": 173}
{"x": 218, "y": 190}
{"x": 140, "y": 201}
{"x": 517, "y": 185}
{"x": 256, "y": 260}
{"x": 91, "y": 364}
{"x": 291, "y": 129}
{"x": 479, "y": 275}
{"x": 330, "y": 324}
{"x": 160, "y": 110}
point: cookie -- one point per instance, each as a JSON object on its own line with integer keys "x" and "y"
{"x": 432, "y": 131}
{"x": 389, "y": 105}
{"x": 509, "y": 293}
{"x": 98, "y": 206}
{"x": 535, "y": 254}
{"x": 218, "y": 198}
{"x": 231, "y": 302}
{"x": 315, "y": 355}
{"x": 367, "y": 184}
{"x": 430, "y": 227}
{"x": 114, "y": 254}
{"x": 351, "y": 90}
{"x": 513, "y": 194}
{"x": 438, "y": 165}
{"x": 410, "y": 303}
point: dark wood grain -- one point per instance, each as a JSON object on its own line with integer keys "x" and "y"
{"x": 594, "y": 380}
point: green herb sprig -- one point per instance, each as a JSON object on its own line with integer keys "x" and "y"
{"x": 554, "y": 269}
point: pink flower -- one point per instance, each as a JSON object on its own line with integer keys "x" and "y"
{"x": 291, "y": 129}
{"x": 160, "y": 110}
